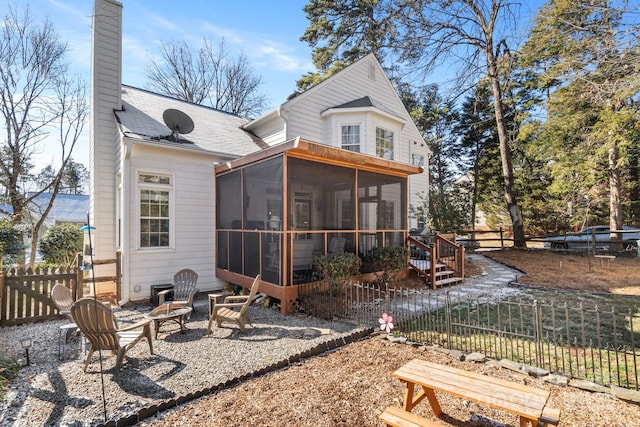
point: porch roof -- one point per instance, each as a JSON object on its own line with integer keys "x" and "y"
{"x": 325, "y": 154}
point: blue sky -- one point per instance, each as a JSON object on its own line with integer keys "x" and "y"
{"x": 267, "y": 32}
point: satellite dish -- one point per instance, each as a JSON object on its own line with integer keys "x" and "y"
{"x": 178, "y": 122}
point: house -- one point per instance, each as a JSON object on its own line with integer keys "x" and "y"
{"x": 67, "y": 208}
{"x": 176, "y": 185}
{"x": 358, "y": 110}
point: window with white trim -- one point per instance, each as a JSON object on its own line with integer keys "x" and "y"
{"x": 417, "y": 159}
{"x": 384, "y": 143}
{"x": 350, "y": 136}
{"x": 155, "y": 210}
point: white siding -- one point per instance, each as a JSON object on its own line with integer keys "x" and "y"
{"x": 271, "y": 131}
{"x": 193, "y": 221}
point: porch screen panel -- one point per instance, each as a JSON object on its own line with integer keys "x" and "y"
{"x": 235, "y": 251}
{"x": 382, "y": 201}
{"x": 229, "y": 200}
{"x": 229, "y": 216}
{"x": 262, "y": 201}
{"x": 222, "y": 245}
{"x": 320, "y": 196}
{"x": 251, "y": 253}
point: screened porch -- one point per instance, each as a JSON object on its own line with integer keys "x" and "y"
{"x": 278, "y": 209}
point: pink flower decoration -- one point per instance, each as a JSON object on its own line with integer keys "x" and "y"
{"x": 386, "y": 323}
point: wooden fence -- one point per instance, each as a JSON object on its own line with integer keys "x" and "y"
{"x": 26, "y": 293}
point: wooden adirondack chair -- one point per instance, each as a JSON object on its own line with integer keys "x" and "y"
{"x": 62, "y": 299}
{"x": 184, "y": 288}
{"x": 226, "y": 311}
{"x": 98, "y": 325}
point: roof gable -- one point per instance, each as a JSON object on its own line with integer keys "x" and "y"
{"x": 385, "y": 99}
{"x": 66, "y": 207}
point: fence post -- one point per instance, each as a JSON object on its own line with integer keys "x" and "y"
{"x": 447, "y": 317}
{"x": 537, "y": 332}
{"x": 3, "y": 297}
{"x": 78, "y": 291}
{"x": 501, "y": 237}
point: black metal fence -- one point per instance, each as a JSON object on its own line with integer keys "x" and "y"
{"x": 585, "y": 342}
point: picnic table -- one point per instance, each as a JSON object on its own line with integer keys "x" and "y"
{"x": 529, "y": 403}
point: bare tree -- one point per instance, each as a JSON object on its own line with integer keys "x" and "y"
{"x": 208, "y": 75}
{"x": 40, "y": 104}
{"x": 476, "y": 34}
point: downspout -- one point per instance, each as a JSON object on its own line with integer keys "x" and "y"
{"x": 282, "y": 113}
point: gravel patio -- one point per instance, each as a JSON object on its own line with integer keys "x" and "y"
{"x": 184, "y": 366}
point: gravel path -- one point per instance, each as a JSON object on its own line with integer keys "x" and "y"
{"x": 50, "y": 392}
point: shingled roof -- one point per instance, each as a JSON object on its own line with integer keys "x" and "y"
{"x": 214, "y": 131}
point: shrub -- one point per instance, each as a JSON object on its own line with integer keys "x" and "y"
{"x": 61, "y": 244}
{"x": 387, "y": 262}
{"x": 8, "y": 370}
{"x": 10, "y": 241}
{"x": 337, "y": 267}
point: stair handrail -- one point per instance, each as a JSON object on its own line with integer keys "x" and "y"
{"x": 430, "y": 250}
{"x": 458, "y": 252}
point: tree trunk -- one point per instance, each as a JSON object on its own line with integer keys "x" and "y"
{"x": 615, "y": 205}
{"x": 505, "y": 156}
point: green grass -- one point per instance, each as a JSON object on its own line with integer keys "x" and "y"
{"x": 604, "y": 366}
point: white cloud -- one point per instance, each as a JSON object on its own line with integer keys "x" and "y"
{"x": 160, "y": 23}
{"x": 263, "y": 50}
{"x": 278, "y": 58}
{"x": 72, "y": 12}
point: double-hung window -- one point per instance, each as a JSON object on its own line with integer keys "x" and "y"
{"x": 155, "y": 206}
{"x": 351, "y": 137}
{"x": 384, "y": 143}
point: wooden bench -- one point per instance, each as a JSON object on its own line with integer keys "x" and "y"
{"x": 529, "y": 403}
{"x": 398, "y": 417}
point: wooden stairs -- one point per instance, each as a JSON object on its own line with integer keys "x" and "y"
{"x": 448, "y": 268}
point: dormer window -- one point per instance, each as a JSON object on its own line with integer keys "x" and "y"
{"x": 350, "y": 135}
{"x": 384, "y": 143}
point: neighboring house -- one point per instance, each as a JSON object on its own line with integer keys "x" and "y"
{"x": 155, "y": 163}
{"x": 67, "y": 208}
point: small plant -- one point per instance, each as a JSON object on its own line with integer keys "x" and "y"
{"x": 8, "y": 370}
{"x": 336, "y": 269}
